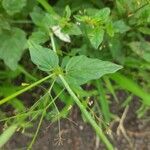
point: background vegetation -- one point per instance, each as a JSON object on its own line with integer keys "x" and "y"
{"x": 73, "y": 52}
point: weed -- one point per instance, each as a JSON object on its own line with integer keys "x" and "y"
{"x": 71, "y": 44}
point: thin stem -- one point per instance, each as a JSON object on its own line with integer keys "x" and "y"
{"x": 53, "y": 43}
{"x": 37, "y": 103}
{"x": 87, "y": 115}
{"x": 55, "y": 107}
{"x": 22, "y": 115}
{"x": 4, "y": 100}
{"x": 38, "y": 128}
{"x": 41, "y": 119}
{"x": 58, "y": 119}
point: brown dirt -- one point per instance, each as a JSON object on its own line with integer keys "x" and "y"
{"x": 78, "y": 135}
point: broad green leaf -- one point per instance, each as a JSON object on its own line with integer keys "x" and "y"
{"x": 120, "y": 26}
{"x": 103, "y": 14}
{"x": 92, "y": 11}
{"x": 37, "y": 16}
{"x": 81, "y": 69}
{"x": 72, "y": 29}
{"x": 116, "y": 49}
{"x": 12, "y": 45}
{"x": 65, "y": 61}
{"x": 39, "y": 37}
{"x": 95, "y": 36}
{"x": 142, "y": 49}
{"x": 42, "y": 19}
{"x": 144, "y": 30}
{"x": 44, "y": 58}
{"x": 13, "y": 6}
{"x": 6, "y": 135}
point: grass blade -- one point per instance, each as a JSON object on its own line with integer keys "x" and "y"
{"x": 128, "y": 84}
{"x": 103, "y": 101}
{"x": 5, "y": 136}
{"x": 4, "y": 100}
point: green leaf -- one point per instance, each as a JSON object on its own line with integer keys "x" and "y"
{"x": 44, "y": 58}
{"x": 110, "y": 29}
{"x": 81, "y": 69}
{"x": 6, "y": 135}
{"x": 12, "y": 45}
{"x": 128, "y": 84}
{"x": 102, "y": 100}
{"x": 72, "y": 29}
{"x": 120, "y": 26}
{"x": 42, "y": 19}
{"x": 95, "y": 36}
{"x": 13, "y": 6}
{"x": 37, "y": 15}
{"x": 39, "y": 37}
{"x": 128, "y": 7}
{"x": 103, "y": 14}
{"x": 142, "y": 49}
{"x": 142, "y": 16}
{"x": 116, "y": 49}
{"x": 120, "y": 7}
{"x": 67, "y": 12}
{"x": 144, "y": 30}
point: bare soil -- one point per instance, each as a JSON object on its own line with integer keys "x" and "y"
{"x": 78, "y": 135}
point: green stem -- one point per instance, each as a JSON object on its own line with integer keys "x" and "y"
{"x": 82, "y": 108}
{"x": 4, "y": 100}
{"x": 22, "y": 115}
{"x": 87, "y": 115}
{"x": 38, "y": 128}
{"x": 47, "y": 6}
{"x": 41, "y": 119}
{"x": 53, "y": 43}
